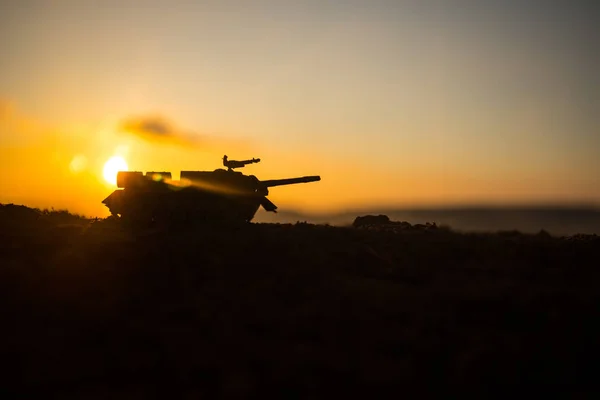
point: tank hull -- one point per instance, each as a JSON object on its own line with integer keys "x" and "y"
{"x": 188, "y": 206}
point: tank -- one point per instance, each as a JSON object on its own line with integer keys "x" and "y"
{"x": 219, "y": 196}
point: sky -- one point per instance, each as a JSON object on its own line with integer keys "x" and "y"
{"x": 395, "y": 103}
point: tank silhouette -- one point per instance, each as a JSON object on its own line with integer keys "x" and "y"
{"x": 219, "y": 196}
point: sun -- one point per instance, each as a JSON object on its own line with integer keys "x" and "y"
{"x": 111, "y": 167}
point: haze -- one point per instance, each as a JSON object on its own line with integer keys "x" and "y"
{"x": 397, "y": 103}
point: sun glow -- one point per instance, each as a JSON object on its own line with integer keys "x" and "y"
{"x": 112, "y": 167}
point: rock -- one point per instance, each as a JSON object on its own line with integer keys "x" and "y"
{"x": 371, "y": 220}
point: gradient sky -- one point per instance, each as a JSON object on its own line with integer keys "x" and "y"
{"x": 412, "y": 103}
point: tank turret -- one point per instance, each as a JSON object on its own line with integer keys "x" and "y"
{"x": 218, "y": 196}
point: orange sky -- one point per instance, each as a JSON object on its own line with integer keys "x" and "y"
{"x": 393, "y": 103}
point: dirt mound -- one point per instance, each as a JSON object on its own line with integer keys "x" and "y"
{"x": 19, "y": 219}
{"x": 18, "y": 212}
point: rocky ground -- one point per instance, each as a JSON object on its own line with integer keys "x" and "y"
{"x": 91, "y": 309}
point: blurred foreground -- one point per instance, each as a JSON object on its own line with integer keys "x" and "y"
{"x": 91, "y": 309}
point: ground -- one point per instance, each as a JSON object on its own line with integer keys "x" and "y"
{"x": 91, "y": 309}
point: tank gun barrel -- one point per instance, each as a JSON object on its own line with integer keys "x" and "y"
{"x": 290, "y": 181}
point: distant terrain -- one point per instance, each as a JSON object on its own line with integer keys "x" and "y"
{"x": 93, "y": 309}
{"x": 558, "y": 220}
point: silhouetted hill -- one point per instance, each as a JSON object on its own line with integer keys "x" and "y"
{"x": 94, "y": 309}
{"x": 22, "y": 214}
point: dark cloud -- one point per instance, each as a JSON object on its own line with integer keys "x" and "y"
{"x": 153, "y": 127}
{"x": 156, "y": 127}
{"x": 160, "y": 130}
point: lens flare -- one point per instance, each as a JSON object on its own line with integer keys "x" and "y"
{"x": 78, "y": 163}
